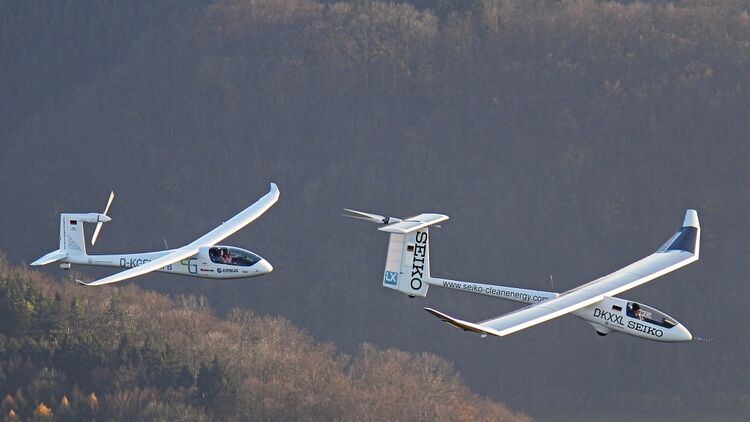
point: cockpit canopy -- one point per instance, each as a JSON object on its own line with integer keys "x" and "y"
{"x": 228, "y": 255}
{"x": 650, "y": 315}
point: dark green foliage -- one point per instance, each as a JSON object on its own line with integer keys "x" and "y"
{"x": 18, "y": 301}
{"x": 211, "y": 381}
{"x": 185, "y": 378}
{"x": 80, "y": 356}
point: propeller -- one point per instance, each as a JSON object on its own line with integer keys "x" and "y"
{"x": 99, "y": 224}
{"x": 375, "y": 218}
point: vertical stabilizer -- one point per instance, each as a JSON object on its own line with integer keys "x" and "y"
{"x": 407, "y": 264}
{"x": 72, "y": 239}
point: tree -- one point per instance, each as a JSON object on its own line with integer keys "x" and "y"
{"x": 211, "y": 381}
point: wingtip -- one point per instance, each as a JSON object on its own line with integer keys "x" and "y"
{"x": 441, "y": 316}
{"x": 81, "y": 283}
{"x": 274, "y": 191}
{"x": 691, "y": 219}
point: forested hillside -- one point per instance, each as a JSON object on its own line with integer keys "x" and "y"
{"x": 563, "y": 138}
{"x": 70, "y": 353}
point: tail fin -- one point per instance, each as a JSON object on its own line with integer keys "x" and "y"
{"x": 72, "y": 239}
{"x": 407, "y": 264}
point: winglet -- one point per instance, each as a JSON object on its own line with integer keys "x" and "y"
{"x": 691, "y": 219}
{"x": 688, "y": 238}
{"x": 82, "y": 283}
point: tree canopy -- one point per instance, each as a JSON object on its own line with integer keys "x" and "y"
{"x": 130, "y": 354}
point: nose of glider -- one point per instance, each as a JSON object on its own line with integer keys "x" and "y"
{"x": 264, "y": 266}
{"x": 683, "y": 333}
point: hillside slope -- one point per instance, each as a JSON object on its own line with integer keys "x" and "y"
{"x": 130, "y": 354}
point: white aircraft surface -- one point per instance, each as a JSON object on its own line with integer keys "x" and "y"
{"x": 201, "y": 258}
{"x": 407, "y": 270}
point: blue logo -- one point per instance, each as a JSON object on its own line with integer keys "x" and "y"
{"x": 390, "y": 278}
{"x": 218, "y": 270}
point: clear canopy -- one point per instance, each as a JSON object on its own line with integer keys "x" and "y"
{"x": 650, "y": 315}
{"x": 228, "y": 255}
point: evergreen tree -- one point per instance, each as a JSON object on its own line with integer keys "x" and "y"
{"x": 211, "y": 382}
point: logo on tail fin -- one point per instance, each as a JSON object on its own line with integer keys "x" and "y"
{"x": 417, "y": 266}
{"x": 391, "y": 278}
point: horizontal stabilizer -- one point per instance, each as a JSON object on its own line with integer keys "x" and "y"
{"x": 414, "y": 223}
{"x": 464, "y": 325}
{"x": 50, "y": 258}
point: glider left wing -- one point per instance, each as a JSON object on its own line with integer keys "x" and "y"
{"x": 680, "y": 250}
{"x": 211, "y": 238}
{"x": 170, "y": 258}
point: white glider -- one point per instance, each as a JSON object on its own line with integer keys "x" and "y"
{"x": 199, "y": 258}
{"x": 407, "y": 271}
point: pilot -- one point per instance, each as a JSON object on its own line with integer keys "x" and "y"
{"x": 637, "y": 311}
{"x": 225, "y": 256}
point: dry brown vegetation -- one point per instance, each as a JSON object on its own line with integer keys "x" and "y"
{"x": 136, "y": 355}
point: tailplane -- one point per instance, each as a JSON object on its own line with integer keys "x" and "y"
{"x": 72, "y": 239}
{"x": 407, "y": 264}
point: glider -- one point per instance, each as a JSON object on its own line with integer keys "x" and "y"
{"x": 200, "y": 258}
{"x": 407, "y": 270}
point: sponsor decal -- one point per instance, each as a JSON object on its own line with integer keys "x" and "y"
{"x": 227, "y": 270}
{"x": 191, "y": 267}
{"x": 608, "y": 317}
{"x": 391, "y": 278}
{"x": 417, "y": 266}
{"x": 493, "y": 291}
{"x": 645, "y": 329}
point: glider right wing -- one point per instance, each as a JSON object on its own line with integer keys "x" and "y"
{"x": 680, "y": 250}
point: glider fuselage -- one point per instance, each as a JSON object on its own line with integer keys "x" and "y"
{"x": 218, "y": 262}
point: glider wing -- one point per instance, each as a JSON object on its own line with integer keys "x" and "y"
{"x": 211, "y": 238}
{"x": 680, "y": 250}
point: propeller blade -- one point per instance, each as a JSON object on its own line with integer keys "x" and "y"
{"x": 109, "y": 202}
{"x": 365, "y": 214}
{"x": 99, "y": 224}
{"x": 374, "y": 218}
